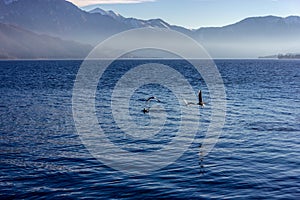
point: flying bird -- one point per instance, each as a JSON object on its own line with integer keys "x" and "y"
{"x": 147, "y": 110}
{"x": 200, "y": 102}
{"x": 152, "y": 98}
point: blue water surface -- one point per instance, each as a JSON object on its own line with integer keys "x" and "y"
{"x": 256, "y": 157}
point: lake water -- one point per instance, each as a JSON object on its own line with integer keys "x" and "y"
{"x": 256, "y": 157}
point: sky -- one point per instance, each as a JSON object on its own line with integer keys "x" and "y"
{"x": 195, "y": 13}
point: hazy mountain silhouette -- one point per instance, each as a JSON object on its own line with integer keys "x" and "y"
{"x": 59, "y": 18}
{"x": 18, "y": 43}
{"x": 137, "y": 23}
{"x": 251, "y": 37}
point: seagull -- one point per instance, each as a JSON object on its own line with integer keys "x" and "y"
{"x": 200, "y": 103}
{"x": 147, "y": 110}
{"x": 152, "y": 98}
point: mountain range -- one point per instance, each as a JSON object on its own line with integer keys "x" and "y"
{"x": 66, "y": 31}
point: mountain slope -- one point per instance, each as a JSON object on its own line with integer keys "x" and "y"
{"x": 252, "y": 37}
{"x": 267, "y": 26}
{"x": 18, "y": 43}
{"x": 59, "y": 18}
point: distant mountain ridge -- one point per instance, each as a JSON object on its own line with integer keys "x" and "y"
{"x": 253, "y": 36}
{"x": 132, "y": 22}
{"x": 250, "y": 37}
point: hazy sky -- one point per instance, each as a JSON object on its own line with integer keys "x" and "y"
{"x": 196, "y": 13}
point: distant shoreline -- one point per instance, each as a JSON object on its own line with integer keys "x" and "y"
{"x": 288, "y": 56}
